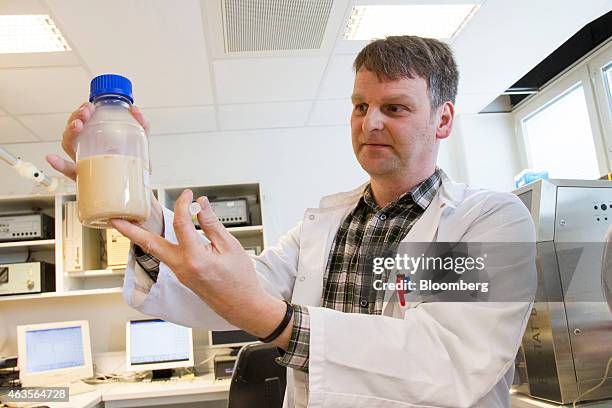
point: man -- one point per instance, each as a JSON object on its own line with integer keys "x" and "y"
{"x": 345, "y": 348}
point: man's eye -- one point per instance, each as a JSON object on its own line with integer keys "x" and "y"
{"x": 395, "y": 108}
{"x": 360, "y": 108}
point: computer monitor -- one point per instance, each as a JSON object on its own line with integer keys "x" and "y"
{"x": 229, "y": 338}
{"x": 54, "y": 353}
{"x": 158, "y": 345}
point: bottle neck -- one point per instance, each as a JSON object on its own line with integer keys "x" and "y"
{"x": 112, "y": 100}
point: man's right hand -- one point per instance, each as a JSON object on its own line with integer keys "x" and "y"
{"x": 74, "y": 126}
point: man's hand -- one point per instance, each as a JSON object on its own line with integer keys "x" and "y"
{"x": 74, "y": 126}
{"x": 219, "y": 272}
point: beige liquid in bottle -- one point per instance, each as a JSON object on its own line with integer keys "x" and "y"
{"x": 112, "y": 186}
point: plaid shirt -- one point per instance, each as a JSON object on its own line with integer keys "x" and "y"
{"x": 347, "y": 283}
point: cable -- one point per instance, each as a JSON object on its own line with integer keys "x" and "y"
{"x": 100, "y": 378}
{"x": 201, "y": 363}
{"x": 603, "y": 380}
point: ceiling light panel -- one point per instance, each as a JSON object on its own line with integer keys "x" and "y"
{"x": 442, "y": 21}
{"x": 30, "y": 33}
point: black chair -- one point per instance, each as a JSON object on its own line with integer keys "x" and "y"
{"x": 258, "y": 380}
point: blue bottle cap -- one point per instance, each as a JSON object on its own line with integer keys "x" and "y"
{"x": 110, "y": 84}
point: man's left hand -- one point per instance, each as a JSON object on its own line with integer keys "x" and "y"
{"x": 219, "y": 272}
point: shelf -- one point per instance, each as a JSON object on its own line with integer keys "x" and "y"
{"x": 243, "y": 232}
{"x": 42, "y": 243}
{"x": 53, "y": 295}
{"x": 250, "y": 230}
{"x": 96, "y": 273}
{"x": 24, "y": 203}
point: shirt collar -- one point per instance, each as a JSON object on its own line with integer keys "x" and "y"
{"x": 422, "y": 194}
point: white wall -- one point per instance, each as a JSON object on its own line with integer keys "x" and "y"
{"x": 295, "y": 166}
{"x": 490, "y": 151}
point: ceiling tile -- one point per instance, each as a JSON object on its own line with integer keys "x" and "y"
{"x": 39, "y": 59}
{"x": 156, "y": 44}
{"x": 267, "y": 80}
{"x": 339, "y": 78}
{"x": 12, "y": 131}
{"x": 331, "y": 112}
{"x": 21, "y": 7}
{"x": 43, "y": 90}
{"x": 167, "y": 121}
{"x": 47, "y": 127}
{"x": 263, "y": 115}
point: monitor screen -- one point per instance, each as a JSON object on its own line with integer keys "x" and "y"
{"x": 153, "y": 342}
{"x": 52, "y": 349}
{"x": 230, "y": 338}
{"x": 54, "y": 353}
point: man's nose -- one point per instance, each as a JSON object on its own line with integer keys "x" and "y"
{"x": 373, "y": 120}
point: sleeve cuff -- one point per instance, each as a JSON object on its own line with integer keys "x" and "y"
{"x": 298, "y": 352}
{"x": 147, "y": 262}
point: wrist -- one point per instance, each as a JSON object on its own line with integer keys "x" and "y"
{"x": 264, "y": 316}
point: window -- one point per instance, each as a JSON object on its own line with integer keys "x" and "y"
{"x": 566, "y": 128}
{"x": 559, "y": 139}
{"x": 607, "y": 79}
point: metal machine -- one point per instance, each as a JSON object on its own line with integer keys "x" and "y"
{"x": 568, "y": 340}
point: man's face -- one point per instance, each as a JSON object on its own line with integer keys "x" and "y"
{"x": 393, "y": 129}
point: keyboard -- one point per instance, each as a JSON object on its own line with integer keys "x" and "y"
{"x": 77, "y": 387}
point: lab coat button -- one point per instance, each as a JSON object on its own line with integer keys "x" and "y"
{"x": 302, "y": 278}
{"x": 311, "y": 217}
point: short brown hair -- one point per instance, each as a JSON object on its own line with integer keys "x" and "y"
{"x": 405, "y": 56}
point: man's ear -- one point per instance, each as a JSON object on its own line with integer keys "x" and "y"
{"x": 446, "y": 114}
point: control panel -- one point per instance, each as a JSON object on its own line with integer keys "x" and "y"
{"x": 232, "y": 212}
{"x": 27, "y": 277}
{"x": 583, "y": 214}
{"x": 20, "y": 227}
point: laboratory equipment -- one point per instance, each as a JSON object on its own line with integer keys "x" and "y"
{"x": 232, "y": 212}
{"x": 26, "y": 277}
{"x": 28, "y": 226}
{"x": 115, "y": 249}
{"x": 568, "y": 340}
{"x": 29, "y": 171}
{"x": 81, "y": 244}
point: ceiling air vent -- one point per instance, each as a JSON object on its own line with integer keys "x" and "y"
{"x": 274, "y": 25}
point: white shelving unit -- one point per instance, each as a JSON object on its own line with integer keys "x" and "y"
{"x": 53, "y": 295}
{"x": 100, "y": 281}
{"x": 42, "y": 244}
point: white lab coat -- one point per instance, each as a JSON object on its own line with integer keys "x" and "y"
{"x": 424, "y": 355}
